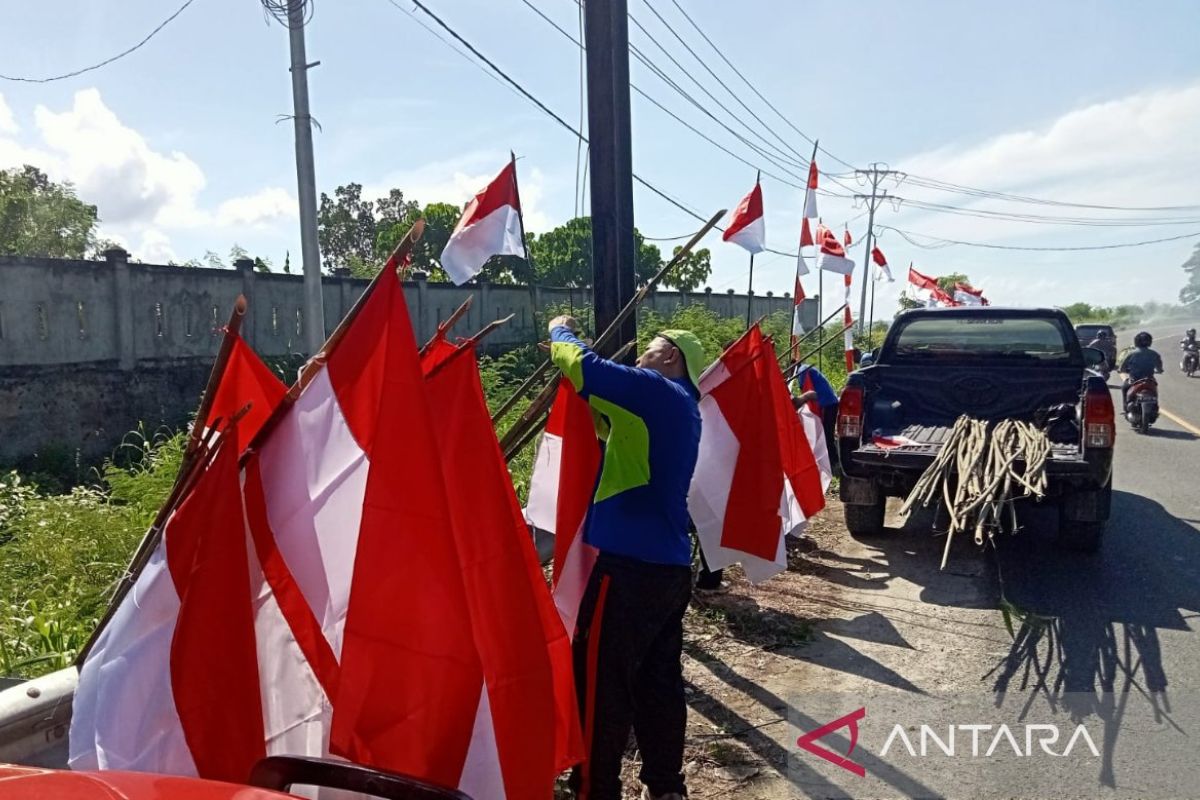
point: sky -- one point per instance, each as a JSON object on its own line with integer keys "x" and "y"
{"x": 185, "y": 146}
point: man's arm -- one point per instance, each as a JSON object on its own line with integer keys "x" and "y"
{"x": 591, "y": 375}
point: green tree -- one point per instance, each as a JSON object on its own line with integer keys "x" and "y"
{"x": 692, "y": 272}
{"x": 440, "y": 219}
{"x": 946, "y": 282}
{"x": 39, "y": 217}
{"x": 563, "y": 256}
{"x": 346, "y": 228}
{"x": 1189, "y": 295}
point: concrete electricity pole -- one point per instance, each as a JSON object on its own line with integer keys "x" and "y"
{"x": 614, "y": 281}
{"x": 306, "y": 182}
{"x": 874, "y": 175}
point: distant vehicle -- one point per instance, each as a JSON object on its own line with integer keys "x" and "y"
{"x": 992, "y": 364}
{"x": 1087, "y": 332}
{"x": 1141, "y": 404}
{"x": 1191, "y": 359}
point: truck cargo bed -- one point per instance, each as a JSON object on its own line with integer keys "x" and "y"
{"x": 915, "y": 445}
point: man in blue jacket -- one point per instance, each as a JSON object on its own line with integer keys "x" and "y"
{"x": 629, "y": 639}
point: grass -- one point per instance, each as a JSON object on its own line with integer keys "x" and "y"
{"x": 66, "y": 537}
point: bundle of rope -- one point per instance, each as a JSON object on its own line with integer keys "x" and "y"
{"x": 980, "y": 473}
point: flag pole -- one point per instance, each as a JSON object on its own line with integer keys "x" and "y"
{"x": 542, "y": 402}
{"x": 187, "y": 467}
{"x": 448, "y": 324}
{"x": 750, "y": 293}
{"x": 871, "y": 318}
{"x": 750, "y": 287}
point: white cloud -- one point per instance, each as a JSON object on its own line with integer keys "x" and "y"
{"x": 8, "y": 124}
{"x": 155, "y": 248}
{"x": 114, "y": 166}
{"x": 257, "y": 210}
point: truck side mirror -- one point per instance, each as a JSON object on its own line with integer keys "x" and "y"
{"x": 1092, "y": 357}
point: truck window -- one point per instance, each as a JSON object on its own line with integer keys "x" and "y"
{"x": 1034, "y": 341}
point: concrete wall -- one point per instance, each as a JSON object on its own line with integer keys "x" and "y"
{"x": 88, "y": 349}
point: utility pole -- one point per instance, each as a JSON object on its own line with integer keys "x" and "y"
{"x": 606, "y": 30}
{"x": 874, "y": 175}
{"x": 306, "y": 182}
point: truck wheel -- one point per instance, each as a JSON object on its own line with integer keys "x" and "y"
{"x": 865, "y": 520}
{"x": 1083, "y": 537}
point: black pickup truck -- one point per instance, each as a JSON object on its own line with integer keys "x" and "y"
{"x": 992, "y": 364}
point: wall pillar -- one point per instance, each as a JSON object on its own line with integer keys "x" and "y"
{"x": 118, "y": 259}
{"x": 246, "y": 267}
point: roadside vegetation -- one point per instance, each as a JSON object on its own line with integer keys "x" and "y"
{"x": 67, "y": 531}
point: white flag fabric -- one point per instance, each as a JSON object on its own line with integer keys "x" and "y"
{"x": 490, "y": 226}
{"x": 747, "y": 228}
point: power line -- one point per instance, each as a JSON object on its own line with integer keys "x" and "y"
{"x": 105, "y": 62}
{"x": 754, "y": 89}
{"x": 946, "y": 186}
{"x": 1041, "y": 219}
{"x": 907, "y": 236}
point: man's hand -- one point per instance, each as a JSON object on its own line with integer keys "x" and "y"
{"x": 807, "y": 397}
{"x": 564, "y": 320}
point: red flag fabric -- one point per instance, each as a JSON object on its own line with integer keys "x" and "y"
{"x": 877, "y": 256}
{"x": 524, "y": 650}
{"x": 754, "y": 459}
{"x": 967, "y": 295}
{"x": 832, "y": 255}
{"x": 214, "y": 659}
{"x": 490, "y": 226}
{"x": 806, "y": 237}
{"x": 847, "y": 239}
{"x": 747, "y": 227}
{"x": 810, "y": 193}
{"x": 246, "y": 379}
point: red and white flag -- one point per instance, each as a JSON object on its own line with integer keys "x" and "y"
{"x": 560, "y": 491}
{"x": 246, "y": 379}
{"x": 753, "y": 451}
{"x": 810, "y": 192}
{"x": 927, "y": 290}
{"x": 884, "y": 270}
{"x": 490, "y": 226}
{"x": 172, "y": 684}
{"x": 832, "y": 255}
{"x": 967, "y": 295}
{"x": 797, "y": 305}
{"x": 847, "y": 239}
{"x": 747, "y": 228}
{"x": 847, "y": 326}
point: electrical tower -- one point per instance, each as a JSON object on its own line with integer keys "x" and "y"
{"x": 874, "y": 175}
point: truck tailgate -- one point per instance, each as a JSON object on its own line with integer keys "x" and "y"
{"x": 914, "y": 447}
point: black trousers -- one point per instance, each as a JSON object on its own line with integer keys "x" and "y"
{"x": 628, "y": 673}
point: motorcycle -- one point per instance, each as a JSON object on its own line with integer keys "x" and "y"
{"x": 1141, "y": 404}
{"x": 1191, "y": 359}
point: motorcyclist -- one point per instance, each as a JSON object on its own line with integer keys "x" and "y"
{"x": 1106, "y": 343}
{"x": 1190, "y": 347}
{"x": 1189, "y": 338}
{"x": 1140, "y": 363}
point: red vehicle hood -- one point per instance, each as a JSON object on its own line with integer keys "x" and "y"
{"x": 34, "y": 783}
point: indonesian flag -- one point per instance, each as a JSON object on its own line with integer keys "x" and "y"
{"x": 967, "y": 295}
{"x": 881, "y": 262}
{"x": 797, "y": 304}
{"x": 246, "y": 379}
{"x": 847, "y": 239}
{"x": 747, "y": 228}
{"x": 927, "y": 289}
{"x": 810, "y": 192}
{"x": 832, "y": 255}
{"x": 806, "y": 236}
{"x": 753, "y": 452}
{"x": 523, "y": 648}
{"x": 172, "y": 684}
{"x": 848, "y": 329}
{"x": 806, "y": 240}
{"x": 490, "y": 226}
{"x": 560, "y": 492}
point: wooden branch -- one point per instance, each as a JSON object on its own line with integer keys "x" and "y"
{"x": 448, "y": 324}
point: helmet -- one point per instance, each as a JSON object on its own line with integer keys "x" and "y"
{"x": 1104, "y": 335}
{"x": 1143, "y": 339}
{"x": 1191, "y": 333}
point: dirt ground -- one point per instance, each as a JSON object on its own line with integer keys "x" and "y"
{"x": 845, "y": 613}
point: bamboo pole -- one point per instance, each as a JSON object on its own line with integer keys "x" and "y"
{"x": 541, "y": 423}
{"x": 317, "y": 362}
{"x": 449, "y": 323}
{"x": 542, "y": 402}
{"x": 792, "y": 350}
{"x": 800, "y": 361}
{"x": 483, "y": 333}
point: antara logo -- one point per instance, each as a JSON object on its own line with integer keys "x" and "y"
{"x": 1047, "y": 735}
{"x": 953, "y": 743}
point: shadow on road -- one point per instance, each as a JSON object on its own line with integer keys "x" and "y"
{"x": 1167, "y": 433}
{"x": 1086, "y": 627}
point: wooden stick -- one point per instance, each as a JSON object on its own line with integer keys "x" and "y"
{"x": 189, "y": 472}
{"x": 792, "y": 350}
{"x": 542, "y": 403}
{"x": 448, "y": 324}
{"x": 512, "y": 400}
{"x": 233, "y": 329}
{"x": 541, "y": 423}
{"x": 485, "y": 331}
{"x": 800, "y": 361}
{"x": 315, "y": 364}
